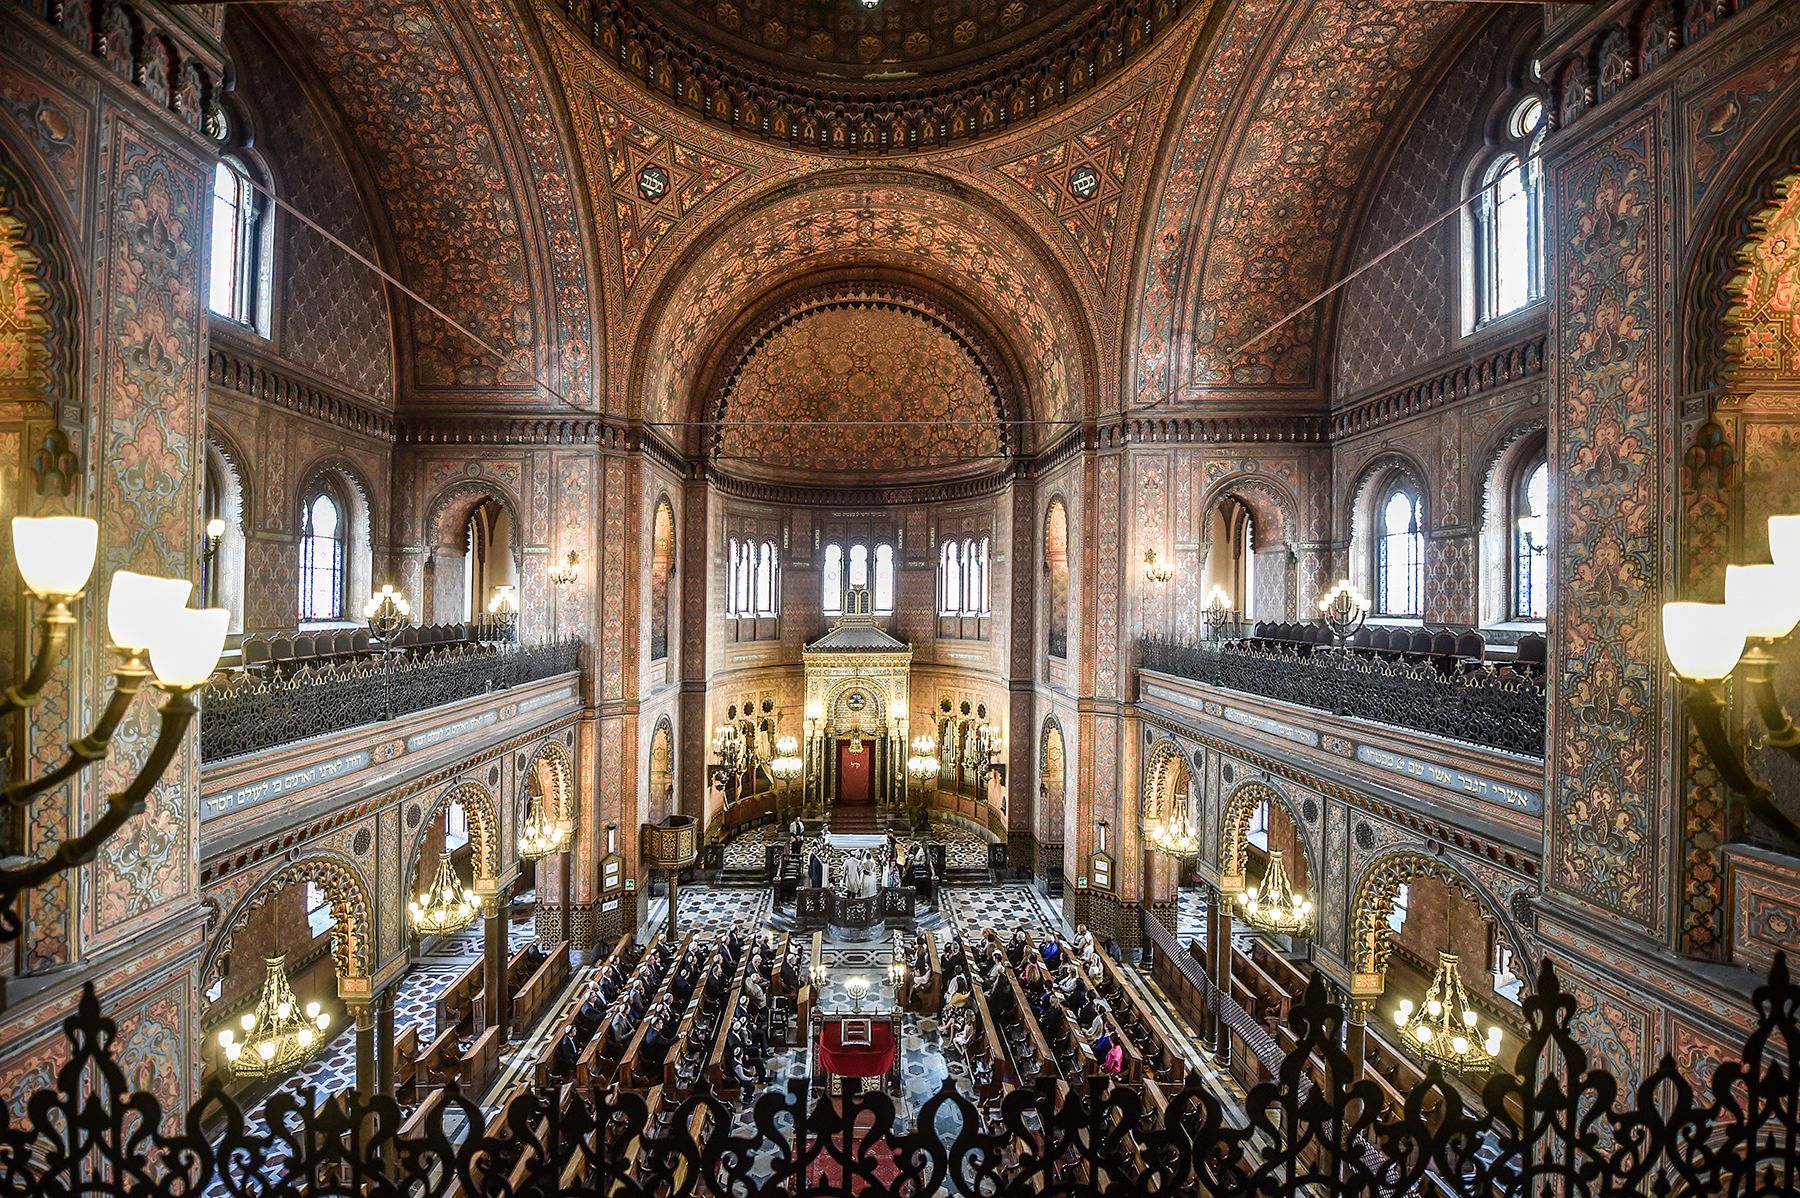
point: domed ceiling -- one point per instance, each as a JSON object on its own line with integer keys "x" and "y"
{"x": 872, "y": 76}
{"x": 864, "y": 391}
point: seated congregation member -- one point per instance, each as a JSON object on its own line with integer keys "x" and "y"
{"x": 748, "y": 1078}
{"x": 754, "y": 994}
{"x": 956, "y": 992}
{"x": 568, "y": 1051}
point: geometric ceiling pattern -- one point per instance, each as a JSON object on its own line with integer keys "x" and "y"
{"x": 859, "y": 388}
{"x": 1122, "y": 248}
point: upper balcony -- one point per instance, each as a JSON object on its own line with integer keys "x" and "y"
{"x": 1467, "y": 700}
{"x": 250, "y": 712}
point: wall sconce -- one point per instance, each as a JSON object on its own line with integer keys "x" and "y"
{"x": 1100, "y": 827}
{"x": 152, "y": 631}
{"x": 1705, "y": 643}
{"x": 1157, "y": 571}
{"x": 612, "y": 839}
{"x": 569, "y": 571}
{"x": 215, "y": 532}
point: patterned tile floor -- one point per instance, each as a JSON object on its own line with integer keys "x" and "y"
{"x": 1190, "y": 915}
{"x": 1003, "y": 908}
{"x": 963, "y": 848}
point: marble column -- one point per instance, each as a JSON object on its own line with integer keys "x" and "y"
{"x": 384, "y": 1043}
{"x": 1218, "y": 960}
{"x": 496, "y": 965}
{"x": 366, "y": 1081}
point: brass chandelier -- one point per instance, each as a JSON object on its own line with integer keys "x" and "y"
{"x": 1443, "y": 1030}
{"x": 1176, "y": 835}
{"x": 539, "y": 836}
{"x": 787, "y": 764}
{"x": 279, "y": 1034}
{"x": 1276, "y": 907}
{"x": 446, "y": 906}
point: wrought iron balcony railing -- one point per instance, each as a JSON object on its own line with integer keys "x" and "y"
{"x": 247, "y": 713}
{"x": 1481, "y": 706}
{"x": 1565, "y": 1125}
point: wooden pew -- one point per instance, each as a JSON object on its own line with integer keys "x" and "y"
{"x": 406, "y": 1061}
{"x": 621, "y": 955}
{"x": 481, "y": 1064}
{"x": 991, "y": 1045}
{"x": 1034, "y": 1035}
{"x": 461, "y": 999}
{"x": 1161, "y": 1056}
{"x": 441, "y": 1060}
{"x": 541, "y": 988}
{"x": 629, "y": 1060}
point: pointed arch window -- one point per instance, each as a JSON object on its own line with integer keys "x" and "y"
{"x": 765, "y": 579}
{"x": 856, "y": 565}
{"x": 319, "y": 917}
{"x": 1400, "y": 554}
{"x": 1531, "y": 543}
{"x": 322, "y": 558}
{"x": 950, "y": 573}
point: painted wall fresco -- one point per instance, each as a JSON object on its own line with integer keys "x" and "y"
{"x": 1608, "y": 730}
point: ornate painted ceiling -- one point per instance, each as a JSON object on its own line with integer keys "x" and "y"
{"x": 609, "y": 235}
{"x": 846, "y": 390}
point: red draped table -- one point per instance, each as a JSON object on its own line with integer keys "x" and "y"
{"x": 871, "y": 1060}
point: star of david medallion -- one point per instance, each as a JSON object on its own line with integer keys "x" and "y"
{"x": 653, "y": 183}
{"x": 1084, "y": 182}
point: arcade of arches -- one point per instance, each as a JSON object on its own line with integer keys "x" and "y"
{"x": 920, "y": 511}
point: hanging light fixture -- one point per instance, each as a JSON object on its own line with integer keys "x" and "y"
{"x": 787, "y": 763}
{"x": 539, "y": 836}
{"x": 1276, "y": 907}
{"x": 1443, "y": 1030}
{"x": 279, "y": 1034}
{"x": 1175, "y": 835}
{"x": 446, "y": 906}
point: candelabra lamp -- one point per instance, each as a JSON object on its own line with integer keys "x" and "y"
{"x": 569, "y": 571}
{"x": 1343, "y": 608}
{"x": 897, "y": 970}
{"x": 1706, "y": 643}
{"x": 279, "y": 1034}
{"x": 787, "y": 765}
{"x": 1276, "y": 907}
{"x": 153, "y": 633}
{"x": 1443, "y": 1029}
{"x": 446, "y": 906}
{"x": 1217, "y": 611}
{"x": 1175, "y": 835}
{"x": 923, "y": 766}
{"x": 857, "y": 989}
{"x": 988, "y": 744}
{"x": 503, "y": 612}
{"x": 1155, "y": 570}
{"x": 736, "y": 750}
{"x": 387, "y": 612}
{"x": 539, "y": 836}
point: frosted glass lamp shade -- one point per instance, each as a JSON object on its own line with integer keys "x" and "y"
{"x": 186, "y": 648}
{"x": 138, "y": 605}
{"x": 1784, "y": 541}
{"x": 55, "y": 553}
{"x": 1763, "y": 600}
{"x": 1703, "y": 640}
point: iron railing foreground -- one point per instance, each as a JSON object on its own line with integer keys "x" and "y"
{"x": 247, "y": 713}
{"x": 1311, "y": 1130}
{"x": 1481, "y": 707}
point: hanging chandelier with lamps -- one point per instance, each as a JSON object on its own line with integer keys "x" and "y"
{"x": 923, "y": 765}
{"x": 1443, "y": 1029}
{"x": 279, "y": 1034}
{"x": 446, "y": 906}
{"x": 787, "y": 764}
{"x": 1275, "y": 906}
{"x": 539, "y": 836}
{"x": 1175, "y": 835}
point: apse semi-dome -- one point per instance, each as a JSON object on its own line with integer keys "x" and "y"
{"x": 862, "y": 77}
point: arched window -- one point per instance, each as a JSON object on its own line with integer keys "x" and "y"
{"x": 662, "y": 575}
{"x": 1531, "y": 543}
{"x": 859, "y": 565}
{"x": 1056, "y": 565}
{"x": 1506, "y": 262}
{"x": 831, "y": 581}
{"x": 950, "y": 598}
{"x": 884, "y": 579}
{"x": 979, "y": 595}
{"x": 212, "y": 508}
{"x": 1399, "y": 555}
{"x": 238, "y": 277}
{"x": 765, "y": 579}
{"x": 322, "y": 558}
